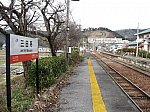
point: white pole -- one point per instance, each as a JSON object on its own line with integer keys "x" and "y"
{"x": 137, "y": 39}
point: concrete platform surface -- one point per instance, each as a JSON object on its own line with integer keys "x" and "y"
{"x": 77, "y": 96}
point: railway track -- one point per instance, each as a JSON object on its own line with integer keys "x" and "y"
{"x": 135, "y": 84}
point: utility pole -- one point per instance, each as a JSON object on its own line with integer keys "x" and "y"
{"x": 137, "y": 39}
{"x": 67, "y": 28}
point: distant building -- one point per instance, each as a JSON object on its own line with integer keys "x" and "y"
{"x": 104, "y": 40}
{"x": 132, "y": 44}
{"x": 144, "y": 40}
{"x": 125, "y": 43}
{"x": 115, "y": 47}
{"x": 44, "y": 49}
{"x": 106, "y": 44}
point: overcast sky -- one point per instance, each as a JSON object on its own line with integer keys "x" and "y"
{"x": 112, "y": 14}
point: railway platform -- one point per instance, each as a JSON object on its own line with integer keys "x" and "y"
{"x": 92, "y": 90}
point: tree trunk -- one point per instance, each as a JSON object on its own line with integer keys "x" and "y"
{"x": 26, "y": 65}
{"x": 53, "y": 52}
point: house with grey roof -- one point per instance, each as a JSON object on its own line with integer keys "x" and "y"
{"x": 145, "y": 39}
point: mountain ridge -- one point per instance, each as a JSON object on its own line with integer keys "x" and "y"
{"x": 128, "y": 34}
{"x": 101, "y": 32}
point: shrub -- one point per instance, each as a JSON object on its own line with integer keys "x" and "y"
{"x": 127, "y": 50}
{"x": 130, "y": 50}
{"x": 141, "y": 53}
{"x": 144, "y": 54}
{"x": 49, "y": 69}
{"x": 75, "y": 58}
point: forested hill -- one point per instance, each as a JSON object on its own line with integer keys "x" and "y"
{"x": 129, "y": 33}
{"x": 101, "y": 32}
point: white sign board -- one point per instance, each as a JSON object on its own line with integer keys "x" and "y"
{"x": 22, "y": 48}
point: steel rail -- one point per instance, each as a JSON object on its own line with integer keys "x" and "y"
{"x": 130, "y": 97}
{"x": 129, "y": 66}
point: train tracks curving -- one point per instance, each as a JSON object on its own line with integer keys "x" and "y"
{"x": 134, "y": 83}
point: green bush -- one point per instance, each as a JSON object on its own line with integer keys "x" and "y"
{"x": 125, "y": 50}
{"x": 49, "y": 69}
{"x": 141, "y": 53}
{"x": 75, "y": 58}
{"x": 144, "y": 54}
{"x": 130, "y": 50}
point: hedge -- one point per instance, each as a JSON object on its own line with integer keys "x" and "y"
{"x": 143, "y": 54}
{"x": 130, "y": 50}
{"x": 75, "y": 58}
{"x": 50, "y": 68}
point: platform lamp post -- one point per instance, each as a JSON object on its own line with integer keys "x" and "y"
{"x": 67, "y": 27}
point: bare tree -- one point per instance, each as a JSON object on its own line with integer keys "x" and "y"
{"x": 18, "y": 16}
{"x": 74, "y": 34}
{"x": 52, "y": 14}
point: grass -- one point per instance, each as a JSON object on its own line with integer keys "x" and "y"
{"x": 2, "y": 52}
{"x": 21, "y": 97}
{"x": 2, "y": 78}
{"x": 2, "y": 98}
{"x": 17, "y": 64}
{"x": 2, "y": 62}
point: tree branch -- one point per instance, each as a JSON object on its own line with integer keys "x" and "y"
{"x": 3, "y": 31}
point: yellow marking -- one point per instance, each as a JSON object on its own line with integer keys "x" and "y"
{"x": 98, "y": 104}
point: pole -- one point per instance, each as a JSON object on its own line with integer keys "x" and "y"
{"x": 37, "y": 77}
{"x": 8, "y": 83}
{"x": 67, "y": 29}
{"x": 37, "y": 73}
{"x": 137, "y": 41}
{"x": 67, "y": 24}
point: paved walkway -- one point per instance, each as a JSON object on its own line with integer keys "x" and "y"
{"x": 80, "y": 95}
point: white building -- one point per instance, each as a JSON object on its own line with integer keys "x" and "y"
{"x": 104, "y": 40}
{"x": 106, "y": 44}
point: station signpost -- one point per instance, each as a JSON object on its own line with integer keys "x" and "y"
{"x": 19, "y": 49}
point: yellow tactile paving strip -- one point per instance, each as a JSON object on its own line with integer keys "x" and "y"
{"x": 98, "y": 104}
